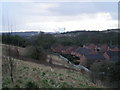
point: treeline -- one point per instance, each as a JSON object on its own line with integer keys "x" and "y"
{"x": 81, "y": 38}
{"x": 14, "y": 40}
{"x": 47, "y": 40}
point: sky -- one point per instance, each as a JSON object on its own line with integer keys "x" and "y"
{"x": 58, "y": 16}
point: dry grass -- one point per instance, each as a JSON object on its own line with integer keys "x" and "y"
{"x": 29, "y": 74}
{"x": 45, "y": 77}
{"x": 0, "y": 66}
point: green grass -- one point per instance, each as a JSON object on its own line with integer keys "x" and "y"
{"x": 6, "y": 82}
{"x": 64, "y": 85}
{"x": 43, "y": 74}
{"x": 45, "y": 84}
{"x": 19, "y": 81}
{"x": 32, "y": 75}
{"x": 31, "y": 84}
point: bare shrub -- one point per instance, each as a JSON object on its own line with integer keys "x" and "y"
{"x": 36, "y": 52}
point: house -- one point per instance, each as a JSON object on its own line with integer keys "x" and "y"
{"x": 106, "y": 56}
{"x": 68, "y": 49}
{"x": 87, "y": 55}
{"x": 90, "y": 46}
{"x": 114, "y": 48}
{"x": 90, "y": 53}
{"x": 81, "y": 51}
{"x": 113, "y": 55}
{"x": 87, "y": 59}
{"x": 57, "y": 49}
{"x": 101, "y": 48}
{"x": 65, "y": 50}
{"x": 74, "y": 51}
{"x": 97, "y": 56}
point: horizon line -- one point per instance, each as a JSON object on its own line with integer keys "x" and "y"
{"x": 56, "y": 31}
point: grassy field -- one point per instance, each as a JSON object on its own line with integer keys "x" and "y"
{"x": 0, "y": 65}
{"x": 29, "y": 74}
{"x": 32, "y": 75}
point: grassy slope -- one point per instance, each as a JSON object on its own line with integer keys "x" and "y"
{"x": 29, "y": 74}
{"x": 0, "y": 66}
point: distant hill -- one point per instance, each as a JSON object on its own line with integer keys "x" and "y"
{"x": 112, "y": 30}
{"x": 85, "y": 31}
{"x": 32, "y": 33}
{"x": 26, "y": 34}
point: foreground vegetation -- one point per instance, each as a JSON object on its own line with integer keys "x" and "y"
{"x": 31, "y": 75}
{"x": 107, "y": 72}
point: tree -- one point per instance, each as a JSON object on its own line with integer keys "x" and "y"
{"x": 8, "y": 50}
{"x": 106, "y": 72}
{"x": 44, "y": 40}
{"x": 36, "y": 52}
{"x": 16, "y": 40}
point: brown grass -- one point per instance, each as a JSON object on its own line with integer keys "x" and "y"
{"x": 43, "y": 75}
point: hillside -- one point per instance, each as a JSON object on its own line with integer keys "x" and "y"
{"x": 28, "y": 75}
{"x": 0, "y": 66}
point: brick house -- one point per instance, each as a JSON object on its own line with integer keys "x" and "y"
{"x": 94, "y": 57}
{"x": 102, "y": 48}
{"x": 106, "y": 56}
{"x": 114, "y": 48}
{"x": 90, "y": 53}
{"x": 74, "y": 51}
{"x": 81, "y": 51}
{"x": 87, "y": 58}
{"x": 57, "y": 49}
{"x": 113, "y": 55}
{"x": 68, "y": 49}
{"x": 90, "y": 46}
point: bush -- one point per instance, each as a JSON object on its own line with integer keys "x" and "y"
{"x": 37, "y": 53}
{"x": 30, "y": 84}
{"x": 106, "y": 71}
{"x": 44, "y": 40}
{"x": 5, "y": 83}
{"x": 45, "y": 84}
{"x": 16, "y": 86}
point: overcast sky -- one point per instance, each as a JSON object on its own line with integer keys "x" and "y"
{"x": 54, "y": 17}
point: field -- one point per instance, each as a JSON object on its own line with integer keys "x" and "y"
{"x": 32, "y": 75}
{"x": 0, "y": 66}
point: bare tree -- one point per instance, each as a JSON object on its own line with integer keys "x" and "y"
{"x": 9, "y": 53}
{"x": 11, "y": 63}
